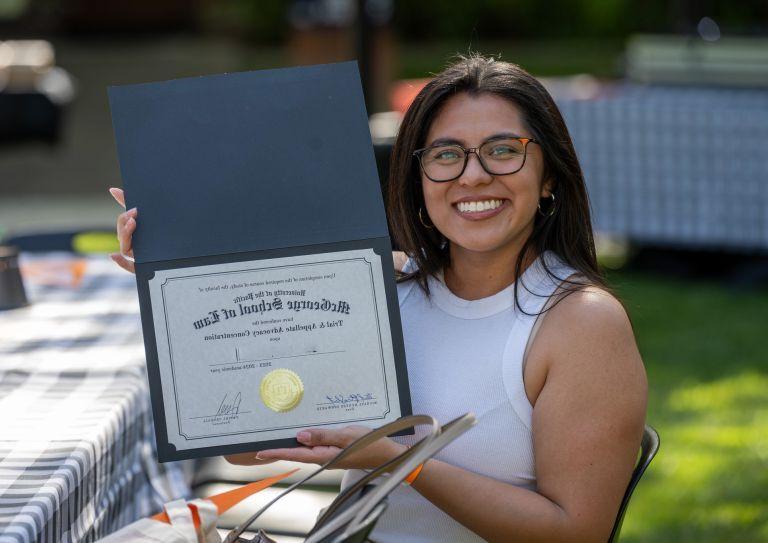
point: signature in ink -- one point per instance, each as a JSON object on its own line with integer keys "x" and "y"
{"x": 344, "y": 399}
{"x": 229, "y": 407}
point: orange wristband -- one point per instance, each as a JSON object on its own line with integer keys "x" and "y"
{"x": 413, "y": 475}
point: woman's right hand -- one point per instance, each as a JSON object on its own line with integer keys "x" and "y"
{"x": 126, "y": 225}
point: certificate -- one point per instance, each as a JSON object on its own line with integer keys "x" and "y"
{"x": 263, "y": 260}
{"x": 259, "y": 349}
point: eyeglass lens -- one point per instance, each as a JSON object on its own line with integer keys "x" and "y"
{"x": 498, "y": 157}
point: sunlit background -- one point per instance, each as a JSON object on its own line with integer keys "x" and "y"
{"x": 667, "y": 102}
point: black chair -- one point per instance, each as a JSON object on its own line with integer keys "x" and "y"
{"x": 648, "y": 449}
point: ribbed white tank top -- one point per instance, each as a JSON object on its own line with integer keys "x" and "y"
{"x": 467, "y": 355}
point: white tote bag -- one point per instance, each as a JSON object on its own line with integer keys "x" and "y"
{"x": 190, "y": 522}
{"x": 180, "y": 529}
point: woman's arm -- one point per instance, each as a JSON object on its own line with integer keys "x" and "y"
{"x": 588, "y": 419}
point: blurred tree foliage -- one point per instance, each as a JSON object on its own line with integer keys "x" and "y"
{"x": 268, "y": 21}
{"x": 260, "y": 21}
{"x": 512, "y": 19}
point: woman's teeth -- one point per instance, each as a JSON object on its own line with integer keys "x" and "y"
{"x": 469, "y": 207}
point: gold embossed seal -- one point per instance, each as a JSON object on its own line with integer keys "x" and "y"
{"x": 281, "y": 390}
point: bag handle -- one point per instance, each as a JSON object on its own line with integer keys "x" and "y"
{"x": 357, "y": 514}
{"x": 402, "y": 423}
{"x": 345, "y": 496}
{"x": 371, "y": 476}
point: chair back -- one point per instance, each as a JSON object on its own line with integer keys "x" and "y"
{"x": 648, "y": 449}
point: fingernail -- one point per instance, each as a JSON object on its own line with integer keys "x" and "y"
{"x": 303, "y": 436}
{"x": 258, "y": 456}
{"x": 132, "y": 210}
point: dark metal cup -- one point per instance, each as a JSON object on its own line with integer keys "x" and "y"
{"x": 12, "y": 294}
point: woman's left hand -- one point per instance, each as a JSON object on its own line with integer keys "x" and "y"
{"x": 321, "y": 445}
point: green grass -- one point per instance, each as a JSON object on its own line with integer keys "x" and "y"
{"x": 704, "y": 350}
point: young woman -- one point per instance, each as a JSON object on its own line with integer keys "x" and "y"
{"x": 505, "y": 314}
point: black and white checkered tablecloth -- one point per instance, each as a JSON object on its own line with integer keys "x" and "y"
{"x": 76, "y": 446}
{"x": 676, "y": 165}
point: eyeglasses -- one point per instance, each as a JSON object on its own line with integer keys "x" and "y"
{"x": 497, "y": 156}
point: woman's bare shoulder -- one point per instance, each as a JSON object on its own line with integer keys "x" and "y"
{"x": 590, "y": 306}
{"x": 591, "y": 322}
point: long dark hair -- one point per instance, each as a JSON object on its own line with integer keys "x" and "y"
{"x": 567, "y": 231}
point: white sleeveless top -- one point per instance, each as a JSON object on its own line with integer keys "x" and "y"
{"x": 466, "y": 355}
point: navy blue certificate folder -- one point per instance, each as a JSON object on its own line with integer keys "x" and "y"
{"x": 260, "y": 221}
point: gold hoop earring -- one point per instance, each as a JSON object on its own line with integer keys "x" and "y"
{"x": 551, "y": 207}
{"x": 421, "y": 220}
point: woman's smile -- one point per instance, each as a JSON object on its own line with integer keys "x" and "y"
{"x": 480, "y": 208}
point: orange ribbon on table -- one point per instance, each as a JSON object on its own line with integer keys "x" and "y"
{"x": 230, "y": 498}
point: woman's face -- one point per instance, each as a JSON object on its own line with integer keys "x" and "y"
{"x": 470, "y": 121}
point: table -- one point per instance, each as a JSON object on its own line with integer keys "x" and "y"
{"x": 680, "y": 166}
{"x": 76, "y": 439}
